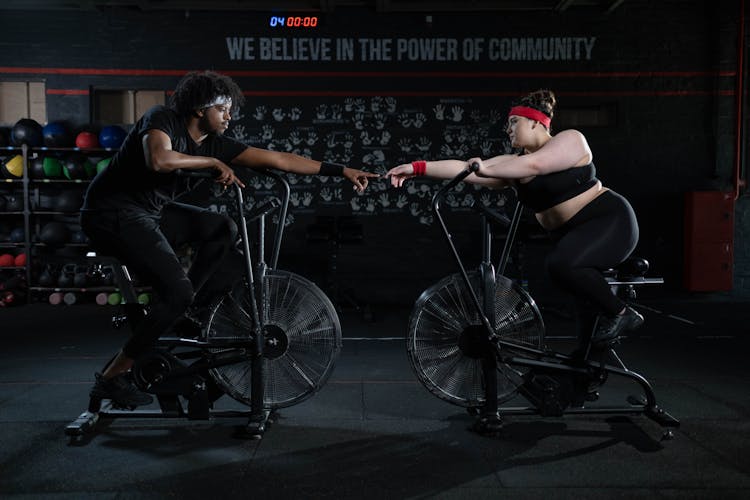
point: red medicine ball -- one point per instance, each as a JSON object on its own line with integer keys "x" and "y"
{"x": 20, "y": 260}
{"x": 87, "y": 140}
{"x": 6, "y": 260}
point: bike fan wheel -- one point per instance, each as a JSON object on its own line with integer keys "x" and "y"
{"x": 303, "y": 339}
{"x": 446, "y": 338}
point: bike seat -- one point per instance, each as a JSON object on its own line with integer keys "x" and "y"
{"x": 630, "y": 272}
{"x": 632, "y": 267}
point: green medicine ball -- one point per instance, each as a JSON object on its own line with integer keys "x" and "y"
{"x": 102, "y": 164}
{"x": 114, "y": 299}
{"x": 52, "y": 167}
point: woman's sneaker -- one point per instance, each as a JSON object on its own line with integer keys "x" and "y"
{"x": 120, "y": 390}
{"x": 610, "y": 327}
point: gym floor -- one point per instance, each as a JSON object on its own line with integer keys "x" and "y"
{"x": 374, "y": 431}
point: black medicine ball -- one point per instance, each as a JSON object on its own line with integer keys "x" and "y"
{"x": 13, "y": 203}
{"x": 54, "y": 233}
{"x": 18, "y": 235}
{"x": 27, "y": 131}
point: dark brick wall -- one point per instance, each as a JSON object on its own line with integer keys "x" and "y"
{"x": 667, "y": 69}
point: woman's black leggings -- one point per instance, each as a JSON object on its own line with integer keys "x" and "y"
{"x": 145, "y": 243}
{"x": 600, "y": 236}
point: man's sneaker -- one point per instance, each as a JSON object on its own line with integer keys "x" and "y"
{"x": 187, "y": 327}
{"x": 611, "y": 327}
{"x": 120, "y": 390}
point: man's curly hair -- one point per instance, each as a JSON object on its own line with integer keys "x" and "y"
{"x": 200, "y": 87}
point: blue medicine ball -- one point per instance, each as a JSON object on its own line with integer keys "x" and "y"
{"x": 57, "y": 135}
{"x": 111, "y": 136}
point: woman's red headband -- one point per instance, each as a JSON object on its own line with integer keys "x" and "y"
{"x": 531, "y": 113}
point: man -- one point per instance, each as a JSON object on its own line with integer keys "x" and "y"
{"x": 130, "y": 210}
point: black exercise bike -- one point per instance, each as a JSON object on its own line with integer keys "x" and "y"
{"x": 270, "y": 342}
{"x": 476, "y": 339}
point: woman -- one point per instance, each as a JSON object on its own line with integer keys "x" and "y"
{"x": 593, "y": 227}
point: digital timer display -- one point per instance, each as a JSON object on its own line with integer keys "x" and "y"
{"x": 293, "y": 21}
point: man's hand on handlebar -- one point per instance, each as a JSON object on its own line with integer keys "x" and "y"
{"x": 226, "y": 176}
{"x": 359, "y": 178}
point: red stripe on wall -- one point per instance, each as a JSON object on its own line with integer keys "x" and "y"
{"x": 68, "y": 91}
{"x": 447, "y": 93}
{"x": 373, "y": 74}
{"x": 366, "y": 93}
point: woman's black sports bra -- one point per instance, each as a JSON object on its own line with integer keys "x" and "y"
{"x": 546, "y": 191}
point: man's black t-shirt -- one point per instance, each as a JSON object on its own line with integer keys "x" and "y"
{"x": 128, "y": 183}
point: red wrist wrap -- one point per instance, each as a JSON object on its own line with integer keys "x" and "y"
{"x": 420, "y": 167}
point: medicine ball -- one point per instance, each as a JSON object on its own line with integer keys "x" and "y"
{"x": 27, "y": 131}
{"x": 87, "y": 140}
{"x": 57, "y": 135}
{"x": 102, "y": 164}
{"x": 75, "y": 167}
{"x": 13, "y": 203}
{"x": 36, "y": 168}
{"x": 111, "y": 136}
{"x": 20, "y": 260}
{"x": 54, "y": 233}
{"x": 13, "y": 168}
{"x": 3, "y": 137}
{"x": 18, "y": 235}
{"x": 68, "y": 200}
{"x": 78, "y": 237}
{"x": 6, "y": 260}
{"x": 53, "y": 167}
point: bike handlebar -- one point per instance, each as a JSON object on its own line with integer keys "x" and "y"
{"x": 204, "y": 173}
{"x": 453, "y": 182}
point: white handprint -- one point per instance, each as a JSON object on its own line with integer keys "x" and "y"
{"x": 312, "y": 138}
{"x": 260, "y": 113}
{"x": 364, "y": 138}
{"x": 425, "y": 220}
{"x": 379, "y": 120}
{"x": 415, "y": 208}
{"x": 424, "y": 144}
{"x": 405, "y": 145}
{"x": 439, "y": 111}
{"x": 390, "y": 103}
{"x": 385, "y": 138}
{"x": 278, "y": 114}
{"x": 419, "y": 120}
{"x": 267, "y": 132}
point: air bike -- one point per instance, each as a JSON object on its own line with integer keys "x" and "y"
{"x": 476, "y": 339}
{"x": 270, "y": 342}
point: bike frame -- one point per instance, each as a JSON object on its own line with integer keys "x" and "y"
{"x": 524, "y": 356}
{"x": 254, "y": 273}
